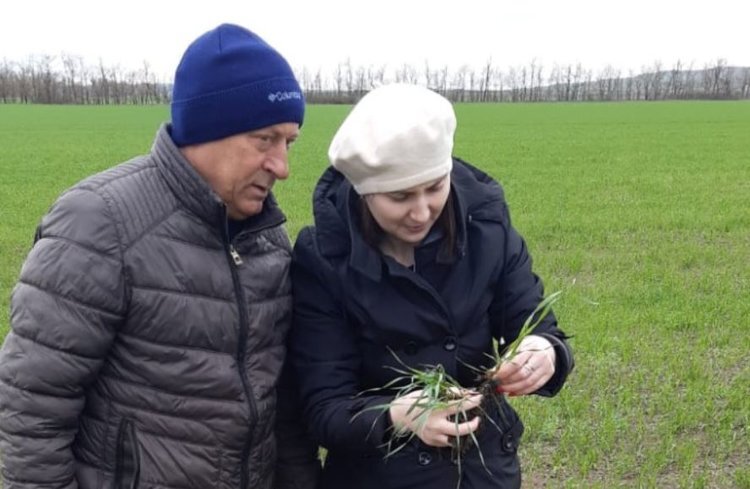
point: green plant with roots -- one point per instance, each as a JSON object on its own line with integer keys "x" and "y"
{"x": 440, "y": 391}
{"x": 510, "y": 351}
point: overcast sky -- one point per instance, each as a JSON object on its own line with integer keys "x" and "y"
{"x": 321, "y": 33}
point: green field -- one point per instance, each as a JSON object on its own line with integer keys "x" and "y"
{"x": 640, "y": 212}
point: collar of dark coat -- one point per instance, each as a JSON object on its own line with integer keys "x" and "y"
{"x": 476, "y": 196}
{"x": 194, "y": 193}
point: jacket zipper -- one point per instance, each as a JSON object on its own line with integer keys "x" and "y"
{"x": 235, "y": 261}
{"x": 235, "y": 256}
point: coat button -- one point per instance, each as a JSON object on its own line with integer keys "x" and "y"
{"x": 510, "y": 444}
{"x": 449, "y": 344}
{"x": 410, "y": 348}
{"x": 425, "y": 458}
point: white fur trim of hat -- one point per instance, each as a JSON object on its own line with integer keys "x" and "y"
{"x": 396, "y": 137}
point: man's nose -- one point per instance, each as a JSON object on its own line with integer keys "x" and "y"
{"x": 277, "y": 161}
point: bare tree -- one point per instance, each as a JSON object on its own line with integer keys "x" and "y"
{"x": 691, "y": 81}
{"x": 538, "y": 85}
{"x": 556, "y": 82}
{"x": 674, "y": 81}
{"x": 304, "y": 78}
{"x": 524, "y": 85}
{"x": 512, "y": 80}
{"x": 349, "y": 77}
{"x": 568, "y": 82}
{"x": 498, "y": 78}
{"x": 534, "y": 82}
{"x": 407, "y": 74}
{"x": 360, "y": 82}
{"x": 630, "y": 85}
{"x": 720, "y": 81}
{"x": 608, "y": 83}
{"x": 745, "y": 84}
{"x": 472, "y": 86}
{"x": 618, "y": 85}
{"x": 485, "y": 83}
{"x": 44, "y": 79}
{"x": 7, "y": 82}
{"x": 115, "y": 74}
{"x": 657, "y": 80}
{"x": 71, "y": 80}
{"x": 646, "y": 82}
{"x": 101, "y": 92}
{"x": 318, "y": 82}
{"x": 376, "y": 75}
{"x": 339, "y": 80}
{"x": 577, "y": 76}
{"x": 638, "y": 86}
{"x": 588, "y": 85}
{"x": 148, "y": 85}
{"x": 443, "y": 80}
{"x": 601, "y": 84}
{"x": 458, "y": 84}
{"x": 428, "y": 75}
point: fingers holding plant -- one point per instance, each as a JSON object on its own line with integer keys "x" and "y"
{"x": 529, "y": 369}
{"x": 430, "y": 404}
{"x": 435, "y": 425}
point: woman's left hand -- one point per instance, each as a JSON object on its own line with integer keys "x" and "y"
{"x": 531, "y": 368}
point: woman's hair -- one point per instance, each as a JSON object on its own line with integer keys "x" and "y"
{"x": 373, "y": 234}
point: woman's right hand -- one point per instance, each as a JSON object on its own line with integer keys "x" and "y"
{"x": 434, "y": 428}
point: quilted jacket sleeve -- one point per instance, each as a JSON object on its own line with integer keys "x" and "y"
{"x": 64, "y": 312}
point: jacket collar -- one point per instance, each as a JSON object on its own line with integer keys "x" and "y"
{"x": 363, "y": 257}
{"x": 192, "y": 190}
{"x": 335, "y": 211}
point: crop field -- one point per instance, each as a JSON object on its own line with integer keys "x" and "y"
{"x": 639, "y": 212}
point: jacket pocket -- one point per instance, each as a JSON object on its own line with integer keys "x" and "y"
{"x": 127, "y": 462}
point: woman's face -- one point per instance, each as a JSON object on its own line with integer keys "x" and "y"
{"x": 407, "y": 215}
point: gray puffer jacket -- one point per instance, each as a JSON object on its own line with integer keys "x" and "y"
{"x": 146, "y": 346}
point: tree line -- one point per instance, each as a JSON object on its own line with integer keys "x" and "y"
{"x": 67, "y": 79}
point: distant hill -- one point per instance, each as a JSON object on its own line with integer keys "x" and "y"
{"x": 720, "y": 82}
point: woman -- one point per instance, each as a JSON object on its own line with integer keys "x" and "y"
{"x": 412, "y": 259}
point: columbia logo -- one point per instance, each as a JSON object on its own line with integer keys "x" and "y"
{"x": 281, "y": 96}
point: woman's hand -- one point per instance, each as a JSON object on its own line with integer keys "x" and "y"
{"x": 530, "y": 369}
{"x": 433, "y": 428}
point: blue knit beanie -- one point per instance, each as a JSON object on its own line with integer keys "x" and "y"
{"x": 231, "y": 81}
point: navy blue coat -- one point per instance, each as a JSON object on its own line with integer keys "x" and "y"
{"x": 352, "y": 305}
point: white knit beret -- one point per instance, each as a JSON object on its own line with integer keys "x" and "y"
{"x": 396, "y": 137}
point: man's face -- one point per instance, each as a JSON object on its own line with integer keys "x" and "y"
{"x": 242, "y": 168}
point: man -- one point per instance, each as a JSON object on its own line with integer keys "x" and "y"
{"x": 149, "y": 321}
